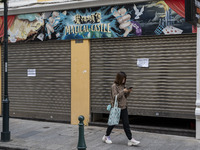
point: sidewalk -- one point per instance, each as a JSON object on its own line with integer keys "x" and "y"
{"x": 37, "y": 135}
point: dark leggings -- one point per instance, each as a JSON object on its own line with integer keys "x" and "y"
{"x": 125, "y": 121}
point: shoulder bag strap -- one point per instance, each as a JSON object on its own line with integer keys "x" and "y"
{"x": 116, "y": 103}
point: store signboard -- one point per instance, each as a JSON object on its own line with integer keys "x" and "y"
{"x": 139, "y": 19}
{"x": 197, "y": 11}
{"x": 192, "y": 11}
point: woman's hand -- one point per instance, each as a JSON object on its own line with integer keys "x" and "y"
{"x": 126, "y": 90}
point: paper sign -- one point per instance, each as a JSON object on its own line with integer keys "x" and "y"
{"x": 31, "y": 72}
{"x": 143, "y": 62}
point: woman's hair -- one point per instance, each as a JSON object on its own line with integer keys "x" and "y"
{"x": 119, "y": 78}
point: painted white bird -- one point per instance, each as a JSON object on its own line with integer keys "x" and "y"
{"x": 12, "y": 37}
{"x": 137, "y": 12}
{"x": 40, "y": 18}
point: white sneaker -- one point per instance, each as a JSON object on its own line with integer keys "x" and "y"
{"x": 133, "y": 142}
{"x": 107, "y": 139}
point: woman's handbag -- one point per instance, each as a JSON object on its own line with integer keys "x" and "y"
{"x": 109, "y": 107}
{"x": 114, "y": 116}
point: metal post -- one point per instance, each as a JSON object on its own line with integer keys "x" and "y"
{"x": 81, "y": 139}
{"x": 5, "y": 135}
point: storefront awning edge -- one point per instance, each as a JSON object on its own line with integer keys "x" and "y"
{"x": 66, "y": 6}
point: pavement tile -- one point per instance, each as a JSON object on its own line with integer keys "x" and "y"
{"x": 38, "y": 135}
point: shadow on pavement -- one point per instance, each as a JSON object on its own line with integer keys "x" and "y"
{"x": 9, "y": 148}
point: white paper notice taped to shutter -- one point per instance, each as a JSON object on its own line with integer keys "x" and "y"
{"x": 143, "y": 62}
{"x": 31, "y": 72}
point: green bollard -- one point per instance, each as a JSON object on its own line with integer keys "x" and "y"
{"x": 81, "y": 139}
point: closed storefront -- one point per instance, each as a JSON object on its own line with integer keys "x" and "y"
{"x": 39, "y": 80}
{"x": 164, "y": 88}
{"x": 64, "y": 59}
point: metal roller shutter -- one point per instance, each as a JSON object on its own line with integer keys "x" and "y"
{"x": 48, "y": 94}
{"x": 166, "y": 89}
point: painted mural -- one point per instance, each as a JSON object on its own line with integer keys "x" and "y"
{"x": 148, "y": 18}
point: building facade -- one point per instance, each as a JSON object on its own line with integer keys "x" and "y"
{"x": 63, "y": 58}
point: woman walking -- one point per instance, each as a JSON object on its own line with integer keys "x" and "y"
{"x": 118, "y": 89}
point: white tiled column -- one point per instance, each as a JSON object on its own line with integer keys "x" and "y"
{"x": 197, "y": 110}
